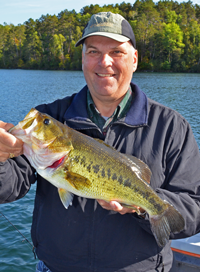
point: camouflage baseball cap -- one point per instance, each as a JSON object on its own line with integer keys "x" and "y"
{"x": 109, "y": 25}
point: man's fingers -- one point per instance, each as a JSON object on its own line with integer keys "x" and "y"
{"x": 6, "y": 126}
{"x": 104, "y": 204}
{"x": 8, "y": 140}
{"x": 10, "y": 146}
{"x": 117, "y": 207}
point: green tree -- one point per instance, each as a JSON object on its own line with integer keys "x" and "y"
{"x": 4, "y": 30}
{"x": 14, "y": 43}
{"x": 56, "y": 49}
{"x": 67, "y": 27}
{"x": 146, "y": 25}
{"x": 19, "y": 42}
{"x": 192, "y": 41}
{"x": 46, "y": 27}
{"x": 92, "y": 9}
{"x": 32, "y": 51}
{"x": 172, "y": 39}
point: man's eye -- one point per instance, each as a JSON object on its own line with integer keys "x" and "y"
{"x": 117, "y": 52}
{"x": 92, "y": 52}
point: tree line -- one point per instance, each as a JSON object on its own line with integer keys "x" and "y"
{"x": 167, "y": 36}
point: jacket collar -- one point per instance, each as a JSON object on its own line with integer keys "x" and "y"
{"x": 77, "y": 114}
{"x": 138, "y": 113}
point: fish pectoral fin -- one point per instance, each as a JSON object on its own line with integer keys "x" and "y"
{"x": 77, "y": 181}
{"x": 66, "y": 197}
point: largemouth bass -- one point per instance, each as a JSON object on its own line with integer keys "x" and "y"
{"x": 78, "y": 164}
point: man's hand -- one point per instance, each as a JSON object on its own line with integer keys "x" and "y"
{"x": 117, "y": 207}
{"x": 9, "y": 144}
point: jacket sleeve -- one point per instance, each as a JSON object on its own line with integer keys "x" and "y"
{"x": 180, "y": 167}
{"x": 16, "y": 177}
{"x": 182, "y": 183}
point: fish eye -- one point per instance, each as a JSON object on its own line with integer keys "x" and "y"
{"x": 47, "y": 121}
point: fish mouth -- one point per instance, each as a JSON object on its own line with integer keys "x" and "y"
{"x": 57, "y": 163}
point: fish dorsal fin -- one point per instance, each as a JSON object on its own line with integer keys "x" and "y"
{"x": 102, "y": 142}
{"x": 77, "y": 181}
{"x": 66, "y": 197}
{"x": 144, "y": 169}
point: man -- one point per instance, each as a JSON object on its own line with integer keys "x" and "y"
{"x": 107, "y": 237}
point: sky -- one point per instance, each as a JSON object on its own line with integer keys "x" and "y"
{"x": 19, "y": 11}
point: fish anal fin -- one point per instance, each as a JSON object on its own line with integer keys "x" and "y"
{"x": 77, "y": 181}
{"x": 66, "y": 197}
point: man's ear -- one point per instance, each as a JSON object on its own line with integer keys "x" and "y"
{"x": 135, "y": 61}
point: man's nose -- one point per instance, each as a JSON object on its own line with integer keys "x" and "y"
{"x": 105, "y": 60}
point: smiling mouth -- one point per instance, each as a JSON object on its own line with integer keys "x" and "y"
{"x": 105, "y": 75}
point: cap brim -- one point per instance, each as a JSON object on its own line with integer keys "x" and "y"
{"x": 116, "y": 37}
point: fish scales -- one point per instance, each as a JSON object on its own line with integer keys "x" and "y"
{"x": 113, "y": 180}
{"x": 78, "y": 164}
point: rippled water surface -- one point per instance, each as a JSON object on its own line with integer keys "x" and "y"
{"x": 20, "y": 90}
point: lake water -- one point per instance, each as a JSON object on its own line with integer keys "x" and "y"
{"x": 20, "y": 90}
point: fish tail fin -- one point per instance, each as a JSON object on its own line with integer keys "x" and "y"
{"x": 163, "y": 224}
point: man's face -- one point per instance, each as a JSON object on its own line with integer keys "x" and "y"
{"x": 108, "y": 67}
